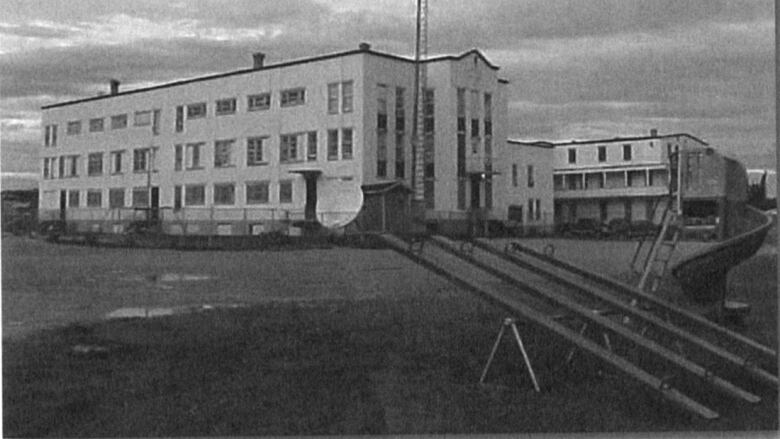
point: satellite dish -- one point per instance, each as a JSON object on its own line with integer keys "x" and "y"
{"x": 338, "y": 202}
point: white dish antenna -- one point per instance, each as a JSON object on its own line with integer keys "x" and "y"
{"x": 338, "y": 202}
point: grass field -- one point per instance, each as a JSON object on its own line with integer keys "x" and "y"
{"x": 338, "y": 341}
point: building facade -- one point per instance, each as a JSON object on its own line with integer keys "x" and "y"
{"x": 248, "y": 151}
{"x": 529, "y": 185}
{"x": 615, "y": 178}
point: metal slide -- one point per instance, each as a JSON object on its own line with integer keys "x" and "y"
{"x": 703, "y": 275}
{"x": 540, "y": 299}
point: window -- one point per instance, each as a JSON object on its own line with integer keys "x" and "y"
{"x": 96, "y": 125}
{"x": 428, "y": 146}
{"x": 602, "y": 153}
{"x": 141, "y": 196}
{"x": 73, "y": 198}
{"x": 69, "y": 166}
{"x": 224, "y": 194}
{"x": 140, "y": 159}
{"x": 381, "y": 107}
{"x": 195, "y": 195}
{"x": 156, "y": 122}
{"x": 400, "y": 156}
{"x": 118, "y": 121}
{"x": 178, "y": 157}
{"x": 285, "y": 191}
{"x": 254, "y": 151}
{"x": 627, "y": 152}
{"x": 94, "y": 198}
{"x": 196, "y": 111}
{"x": 514, "y": 174}
{"x": 179, "y": 119}
{"x": 530, "y": 170}
{"x": 258, "y": 102}
{"x": 293, "y": 96}
{"x": 142, "y": 118}
{"x": 116, "y": 198}
{"x": 531, "y": 209}
{"x": 74, "y": 128}
{"x": 346, "y": 143}
{"x": 333, "y": 98}
{"x": 311, "y": 146}
{"x": 226, "y": 106}
{"x": 50, "y": 135}
{"x": 48, "y": 167}
{"x": 400, "y": 111}
{"x": 538, "y": 209}
{"x": 346, "y": 96}
{"x": 257, "y": 192}
{"x": 116, "y": 162}
{"x": 572, "y": 155}
{"x": 288, "y": 148}
{"x": 223, "y": 153}
{"x": 193, "y": 155}
{"x": 95, "y": 163}
{"x": 333, "y": 144}
{"x": 488, "y": 114}
{"x": 381, "y": 154}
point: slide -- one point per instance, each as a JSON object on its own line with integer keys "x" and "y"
{"x": 703, "y": 274}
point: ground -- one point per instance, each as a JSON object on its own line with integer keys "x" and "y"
{"x": 340, "y": 341}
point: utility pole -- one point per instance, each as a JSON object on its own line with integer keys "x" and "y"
{"x": 420, "y": 83}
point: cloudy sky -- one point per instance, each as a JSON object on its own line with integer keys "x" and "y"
{"x": 577, "y": 68}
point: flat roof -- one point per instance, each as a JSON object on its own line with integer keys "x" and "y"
{"x": 276, "y": 66}
{"x": 535, "y": 144}
{"x": 628, "y": 139}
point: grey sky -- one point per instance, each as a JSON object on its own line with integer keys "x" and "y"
{"x": 577, "y": 68}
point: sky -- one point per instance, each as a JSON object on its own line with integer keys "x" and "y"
{"x": 578, "y": 69}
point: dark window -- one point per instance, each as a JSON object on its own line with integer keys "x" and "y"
{"x": 73, "y": 198}
{"x": 602, "y": 153}
{"x": 295, "y": 96}
{"x": 95, "y": 125}
{"x": 311, "y": 146}
{"x": 119, "y": 121}
{"x": 259, "y": 102}
{"x": 224, "y": 194}
{"x": 140, "y": 197}
{"x": 179, "y": 119}
{"x": 254, "y": 151}
{"x": 627, "y": 152}
{"x": 116, "y": 198}
{"x": 530, "y": 170}
{"x": 285, "y": 191}
{"x": 288, "y": 148}
{"x": 226, "y": 106}
{"x": 572, "y": 155}
{"x": 95, "y": 163}
{"x": 346, "y": 143}
{"x": 74, "y": 127}
{"x": 195, "y": 195}
{"x": 257, "y": 192}
{"x": 94, "y": 198}
{"x": 178, "y": 160}
{"x": 333, "y": 144}
{"x": 196, "y": 111}
{"x": 140, "y": 159}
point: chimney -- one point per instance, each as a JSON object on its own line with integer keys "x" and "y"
{"x": 114, "y": 86}
{"x": 654, "y": 132}
{"x": 258, "y": 58}
{"x": 364, "y": 46}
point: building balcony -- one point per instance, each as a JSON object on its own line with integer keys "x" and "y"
{"x": 621, "y": 192}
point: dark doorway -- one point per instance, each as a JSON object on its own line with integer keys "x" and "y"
{"x": 63, "y": 204}
{"x": 310, "y": 210}
{"x": 155, "y": 205}
{"x": 475, "y": 179}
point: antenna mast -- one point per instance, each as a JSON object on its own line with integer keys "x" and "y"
{"x": 420, "y": 79}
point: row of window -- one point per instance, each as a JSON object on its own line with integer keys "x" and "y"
{"x": 602, "y": 153}
{"x": 534, "y": 211}
{"x": 382, "y": 131}
{"x": 223, "y": 194}
{"x": 340, "y": 100}
{"x": 292, "y": 148}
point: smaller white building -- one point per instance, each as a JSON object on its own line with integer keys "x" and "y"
{"x": 528, "y": 185}
{"x": 615, "y": 178}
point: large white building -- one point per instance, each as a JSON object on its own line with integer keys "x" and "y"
{"x": 250, "y": 150}
{"x": 530, "y": 185}
{"x": 615, "y": 178}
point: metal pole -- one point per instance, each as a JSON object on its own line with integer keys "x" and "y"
{"x": 492, "y": 353}
{"x": 525, "y": 356}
